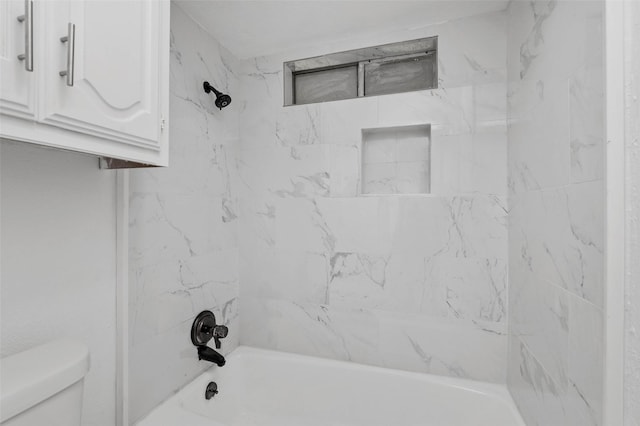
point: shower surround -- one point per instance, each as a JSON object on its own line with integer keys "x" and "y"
{"x": 260, "y": 217}
{"x": 556, "y": 219}
{"x": 183, "y": 251}
{"x": 415, "y": 282}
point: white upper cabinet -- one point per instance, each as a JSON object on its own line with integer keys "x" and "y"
{"x": 101, "y": 77}
{"x": 116, "y": 86}
{"x": 17, "y": 90}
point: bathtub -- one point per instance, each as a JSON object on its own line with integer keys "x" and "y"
{"x": 265, "y": 388}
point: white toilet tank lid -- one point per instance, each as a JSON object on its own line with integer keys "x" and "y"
{"x": 34, "y": 375}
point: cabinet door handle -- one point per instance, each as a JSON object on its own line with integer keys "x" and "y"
{"x": 70, "y": 39}
{"x": 27, "y": 18}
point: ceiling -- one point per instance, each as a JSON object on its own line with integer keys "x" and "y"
{"x": 251, "y": 28}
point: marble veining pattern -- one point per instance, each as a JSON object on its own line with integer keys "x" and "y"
{"x": 183, "y": 223}
{"x": 261, "y": 211}
{"x": 556, "y": 211}
{"x": 405, "y": 281}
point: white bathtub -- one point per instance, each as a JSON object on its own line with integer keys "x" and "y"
{"x": 265, "y": 388}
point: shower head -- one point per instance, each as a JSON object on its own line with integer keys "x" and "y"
{"x": 222, "y": 100}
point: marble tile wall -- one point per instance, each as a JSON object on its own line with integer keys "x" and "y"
{"x": 556, "y": 210}
{"x": 415, "y": 282}
{"x": 184, "y": 223}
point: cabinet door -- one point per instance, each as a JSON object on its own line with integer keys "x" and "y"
{"x": 17, "y": 89}
{"x": 117, "y": 67}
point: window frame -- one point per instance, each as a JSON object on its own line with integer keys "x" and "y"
{"x": 387, "y": 53}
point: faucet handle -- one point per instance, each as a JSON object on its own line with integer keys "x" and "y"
{"x": 219, "y": 332}
{"x": 204, "y": 328}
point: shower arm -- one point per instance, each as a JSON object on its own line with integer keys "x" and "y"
{"x": 208, "y": 88}
{"x": 222, "y": 100}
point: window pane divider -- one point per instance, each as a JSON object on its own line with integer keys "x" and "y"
{"x": 361, "y": 79}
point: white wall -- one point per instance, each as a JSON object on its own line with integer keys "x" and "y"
{"x": 183, "y": 251}
{"x": 556, "y": 218}
{"x": 632, "y": 305}
{"x": 58, "y": 261}
{"x": 407, "y": 282}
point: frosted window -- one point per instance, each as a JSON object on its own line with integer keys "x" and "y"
{"x": 381, "y": 78}
{"x": 389, "y": 68}
{"x": 326, "y": 85}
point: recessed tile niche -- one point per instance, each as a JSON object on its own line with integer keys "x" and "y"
{"x": 396, "y": 160}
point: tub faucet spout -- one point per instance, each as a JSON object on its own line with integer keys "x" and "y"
{"x": 204, "y": 329}
{"x": 211, "y": 355}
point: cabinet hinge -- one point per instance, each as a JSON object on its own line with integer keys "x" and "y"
{"x": 162, "y": 123}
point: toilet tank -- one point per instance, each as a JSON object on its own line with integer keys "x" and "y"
{"x": 43, "y": 385}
